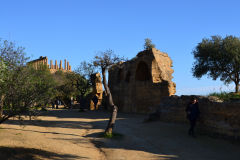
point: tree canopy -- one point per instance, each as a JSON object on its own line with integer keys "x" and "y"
{"x": 70, "y": 84}
{"x": 2, "y": 69}
{"x": 148, "y": 44}
{"x": 218, "y": 57}
{"x": 21, "y": 86}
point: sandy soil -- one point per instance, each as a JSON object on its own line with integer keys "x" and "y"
{"x": 70, "y": 135}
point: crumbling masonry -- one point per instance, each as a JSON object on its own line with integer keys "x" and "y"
{"x": 139, "y": 84}
{"x": 97, "y": 91}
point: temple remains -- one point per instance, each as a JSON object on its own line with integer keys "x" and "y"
{"x": 139, "y": 84}
{"x": 97, "y": 91}
{"x": 52, "y": 67}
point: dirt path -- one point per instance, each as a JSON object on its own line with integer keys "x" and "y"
{"x": 70, "y": 135}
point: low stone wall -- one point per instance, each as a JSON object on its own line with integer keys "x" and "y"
{"x": 221, "y": 118}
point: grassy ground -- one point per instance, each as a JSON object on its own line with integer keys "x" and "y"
{"x": 225, "y": 96}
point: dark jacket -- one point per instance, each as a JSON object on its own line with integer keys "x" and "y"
{"x": 192, "y": 111}
{"x": 95, "y": 99}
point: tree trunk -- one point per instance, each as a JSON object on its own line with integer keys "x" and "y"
{"x": 113, "y": 117}
{"x": 111, "y": 121}
{"x": 236, "y": 87}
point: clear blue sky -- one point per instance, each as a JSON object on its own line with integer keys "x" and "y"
{"x": 78, "y": 29}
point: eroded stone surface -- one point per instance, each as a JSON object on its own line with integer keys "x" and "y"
{"x": 97, "y": 91}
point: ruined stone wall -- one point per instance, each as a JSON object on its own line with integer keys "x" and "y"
{"x": 37, "y": 63}
{"x": 221, "y": 118}
{"x": 97, "y": 91}
{"x": 138, "y": 85}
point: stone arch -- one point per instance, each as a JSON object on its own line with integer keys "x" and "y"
{"x": 142, "y": 72}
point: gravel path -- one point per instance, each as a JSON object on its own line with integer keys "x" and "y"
{"x": 72, "y": 135}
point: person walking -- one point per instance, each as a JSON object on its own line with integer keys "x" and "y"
{"x": 193, "y": 113}
{"x": 95, "y": 101}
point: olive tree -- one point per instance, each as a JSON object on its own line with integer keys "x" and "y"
{"x": 21, "y": 86}
{"x": 218, "y": 57}
{"x": 104, "y": 61}
{"x": 84, "y": 80}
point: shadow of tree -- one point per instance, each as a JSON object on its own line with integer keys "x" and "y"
{"x": 155, "y": 155}
{"x": 57, "y": 124}
{"x": 163, "y": 140}
{"x": 20, "y": 153}
{"x": 26, "y": 130}
{"x": 74, "y": 113}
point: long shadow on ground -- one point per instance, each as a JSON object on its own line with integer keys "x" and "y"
{"x": 165, "y": 140}
{"x": 57, "y": 124}
{"x": 74, "y": 113}
{"x": 19, "y": 153}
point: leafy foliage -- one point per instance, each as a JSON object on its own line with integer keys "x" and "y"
{"x": 218, "y": 58}
{"x": 3, "y": 68}
{"x": 86, "y": 69}
{"x": 11, "y": 55}
{"x": 70, "y": 84}
{"x": 21, "y": 87}
{"x": 106, "y": 59}
{"x": 148, "y": 44}
{"x": 25, "y": 88}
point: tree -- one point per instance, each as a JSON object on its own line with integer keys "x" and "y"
{"x": 11, "y": 57}
{"x": 25, "y": 88}
{"x": 85, "y": 69}
{"x": 21, "y": 87}
{"x": 65, "y": 88}
{"x": 218, "y": 58}
{"x": 84, "y": 80}
{"x": 2, "y": 70}
{"x": 148, "y": 44}
{"x": 104, "y": 61}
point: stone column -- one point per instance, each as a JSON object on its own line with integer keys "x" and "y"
{"x": 60, "y": 64}
{"x": 56, "y": 66}
{"x": 65, "y": 64}
{"x": 46, "y": 61}
{"x": 69, "y": 68}
{"x": 51, "y": 64}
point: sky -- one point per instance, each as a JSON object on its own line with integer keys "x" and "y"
{"x": 78, "y": 29}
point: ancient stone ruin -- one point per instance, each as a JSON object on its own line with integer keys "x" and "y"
{"x": 97, "y": 91}
{"x": 217, "y": 118}
{"x": 53, "y": 68}
{"x": 139, "y": 84}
